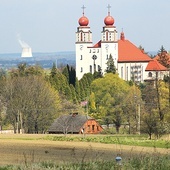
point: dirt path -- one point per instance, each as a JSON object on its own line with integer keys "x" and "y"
{"x": 25, "y": 151}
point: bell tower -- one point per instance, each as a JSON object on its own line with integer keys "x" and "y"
{"x": 83, "y": 40}
{"x": 109, "y": 40}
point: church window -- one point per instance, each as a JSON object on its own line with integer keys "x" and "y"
{"x": 106, "y": 36}
{"x": 107, "y": 56}
{"x": 90, "y": 51}
{"x": 94, "y": 67}
{"x": 99, "y": 68}
{"x": 127, "y": 70}
{"x": 89, "y": 36}
{"x": 121, "y": 72}
{"x": 81, "y": 36}
{"x": 97, "y": 50}
{"x": 81, "y": 57}
{"x": 81, "y": 69}
{"x": 149, "y": 74}
{"x": 90, "y": 69}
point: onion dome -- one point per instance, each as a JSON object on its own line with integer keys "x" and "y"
{"x": 109, "y": 20}
{"x": 83, "y": 21}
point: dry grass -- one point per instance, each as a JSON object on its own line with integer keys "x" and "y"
{"x": 19, "y": 149}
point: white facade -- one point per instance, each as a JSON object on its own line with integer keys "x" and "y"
{"x": 91, "y": 58}
{"x": 133, "y": 71}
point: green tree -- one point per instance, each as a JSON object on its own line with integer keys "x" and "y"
{"x": 110, "y": 65}
{"x": 60, "y": 83}
{"x": 109, "y": 93}
{"x": 53, "y": 70}
{"x": 130, "y": 106}
{"x": 66, "y": 73}
{"x": 153, "y": 121}
{"x": 77, "y": 90}
{"x": 92, "y": 104}
{"x": 82, "y": 91}
{"x": 73, "y": 93}
{"x": 31, "y": 103}
{"x": 24, "y": 70}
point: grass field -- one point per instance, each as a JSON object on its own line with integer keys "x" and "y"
{"x": 16, "y": 149}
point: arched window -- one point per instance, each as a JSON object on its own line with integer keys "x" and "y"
{"x": 107, "y": 36}
{"x": 149, "y": 74}
{"x": 90, "y": 69}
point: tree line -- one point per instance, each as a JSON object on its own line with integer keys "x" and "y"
{"x": 31, "y": 98}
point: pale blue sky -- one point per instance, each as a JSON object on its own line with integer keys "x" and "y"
{"x": 50, "y": 25}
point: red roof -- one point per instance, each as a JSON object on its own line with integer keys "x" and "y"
{"x": 83, "y": 21}
{"x": 154, "y": 65}
{"x": 97, "y": 45}
{"x": 128, "y": 52}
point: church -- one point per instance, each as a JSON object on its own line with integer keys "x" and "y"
{"x": 131, "y": 62}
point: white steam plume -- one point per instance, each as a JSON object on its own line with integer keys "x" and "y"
{"x": 22, "y": 43}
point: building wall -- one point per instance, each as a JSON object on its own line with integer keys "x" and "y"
{"x": 133, "y": 71}
{"x": 92, "y": 127}
{"x": 91, "y": 58}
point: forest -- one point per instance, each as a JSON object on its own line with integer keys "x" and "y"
{"x": 31, "y": 98}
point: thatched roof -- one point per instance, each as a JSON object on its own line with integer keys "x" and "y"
{"x": 72, "y": 123}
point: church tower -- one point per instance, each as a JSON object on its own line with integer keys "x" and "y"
{"x": 109, "y": 41}
{"x": 83, "y": 41}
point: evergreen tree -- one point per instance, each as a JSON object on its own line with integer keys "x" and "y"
{"x": 85, "y": 86}
{"x": 82, "y": 92}
{"x": 65, "y": 72}
{"x": 90, "y": 78}
{"x": 110, "y": 65}
{"x": 53, "y": 70}
{"x": 92, "y": 104}
{"x": 73, "y": 92}
{"x": 72, "y": 76}
{"x": 77, "y": 90}
{"x": 163, "y": 57}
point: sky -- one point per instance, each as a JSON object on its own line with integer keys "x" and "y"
{"x": 50, "y": 25}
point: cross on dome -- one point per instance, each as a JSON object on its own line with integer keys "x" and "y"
{"x": 109, "y": 20}
{"x": 83, "y": 7}
{"x": 108, "y": 9}
{"x": 83, "y": 21}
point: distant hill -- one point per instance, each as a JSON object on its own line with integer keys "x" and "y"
{"x": 45, "y": 60}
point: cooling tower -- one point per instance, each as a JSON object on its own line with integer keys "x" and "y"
{"x": 26, "y": 52}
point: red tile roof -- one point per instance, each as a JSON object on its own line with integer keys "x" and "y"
{"x": 128, "y": 52}
{"x": 97, "y": 45}
{"x": 154, "y": 65}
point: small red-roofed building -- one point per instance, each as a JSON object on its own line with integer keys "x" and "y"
{"x": 153, "y": 69}
{"x": 130, "y": 61}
